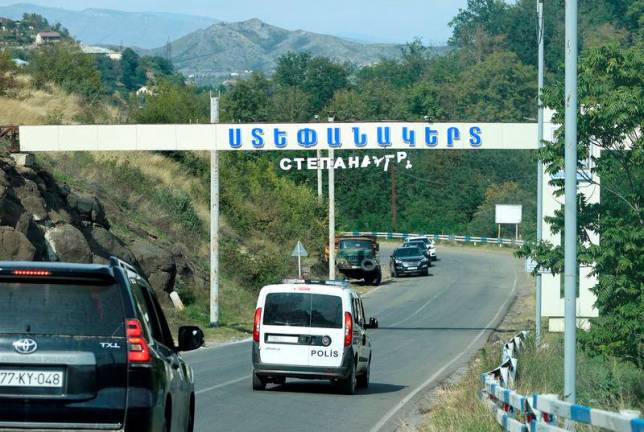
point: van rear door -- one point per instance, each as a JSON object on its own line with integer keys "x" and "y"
{"x": 302, "y": 328}
{"x": 327, "y": 331}
{"x": 285, "y": 332}
{"x": 63, "y": 353}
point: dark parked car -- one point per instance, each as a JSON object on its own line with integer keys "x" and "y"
{"x": 87, "y": 347}
{"x": 424, "y": 247}
{"x": 409, "y": 260}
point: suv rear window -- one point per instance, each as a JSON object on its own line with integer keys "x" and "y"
{"x": 407, "y": 252}
{"x": 61, "y": 309}
{"x": 303, "y": 310}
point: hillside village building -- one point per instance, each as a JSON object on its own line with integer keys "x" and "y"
{"x": 47, "y": 37}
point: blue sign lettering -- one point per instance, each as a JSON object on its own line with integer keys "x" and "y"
{"x": 307, "y": 137}
{"x": 258, "y": 138}
{"x": 453, "y": 134}
{"x": 475, "y": 136}
{"x": 234, "y": 137}
{"x": 409, "y": 136}
{"x": 384, "y": 136}
{"x": 359, "y": 139}
{"x": 280, "y": 138}
{"x": 431, "y": 137}
{"x": 333, "y": 137}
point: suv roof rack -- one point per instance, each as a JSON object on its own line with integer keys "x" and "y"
{"x": 129, "y": 268}
{"x": 337, "y": 283}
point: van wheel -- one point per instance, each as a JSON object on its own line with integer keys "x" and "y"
{"x": 348, "y": 386}
{"x": 363, "y": 380}
{"x": 258, "y": 383}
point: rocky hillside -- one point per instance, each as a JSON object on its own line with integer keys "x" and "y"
{"x": 43, "y": 220}
{"x": 254, "y": 45}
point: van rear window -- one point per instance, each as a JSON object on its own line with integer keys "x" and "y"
{"x": 61, "y": 309}
{"x": 303, "y": 310}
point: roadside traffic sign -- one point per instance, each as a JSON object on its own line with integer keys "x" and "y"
{"x": 299, "y": 250}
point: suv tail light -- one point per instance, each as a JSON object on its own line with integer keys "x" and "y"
{"x": 31, "y": 272}
{"x": 138, "y": 350}
{"x": 348, "y": 329}
{"x": 256, "y": 323}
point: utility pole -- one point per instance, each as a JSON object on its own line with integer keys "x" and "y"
{"x": 319, "y": 170}
{"x": 570, "y": 210}
{"x": 540, "y": 32}
{"x": 331, "y": 210}
{"x": 214, "y": 221}
{"x": 331, "y": 215}
{"x": 394, "y": 199}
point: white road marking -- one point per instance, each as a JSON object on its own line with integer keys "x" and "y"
{"x": 418, "y": 310}
{"x": 438, "y": 373}
{"x": 227, "y": 383}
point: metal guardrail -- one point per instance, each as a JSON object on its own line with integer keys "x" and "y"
{"x": 450, "y": 237}
{"x": 541, "y": 412}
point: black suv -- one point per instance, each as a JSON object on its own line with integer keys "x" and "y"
{"x": 87, "y": 347}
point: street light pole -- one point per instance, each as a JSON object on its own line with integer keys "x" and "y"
{"x": 540, "y": 33}
{"x": 214, "y": 221}
{"x": 570, "y": 215}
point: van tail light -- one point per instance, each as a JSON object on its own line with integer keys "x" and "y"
{"x": 138, "y": 350}
{"x": 256, "y": 324}
{"x": 348, "y": 329}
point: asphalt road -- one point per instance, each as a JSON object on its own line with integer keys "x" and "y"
{"x": 429, "y": 327}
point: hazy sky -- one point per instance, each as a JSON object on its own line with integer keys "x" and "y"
{"x": 380, "y": 20}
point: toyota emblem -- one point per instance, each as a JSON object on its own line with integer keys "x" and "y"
{"x": 326, "y": 341}
{"x": 25, "y": 346}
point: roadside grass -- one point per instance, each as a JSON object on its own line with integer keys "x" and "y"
{"x": 236, "y": 313}
{"x": 602, "y": 382}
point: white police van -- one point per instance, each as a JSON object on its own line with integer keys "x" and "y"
{"x": 311, "y": 330}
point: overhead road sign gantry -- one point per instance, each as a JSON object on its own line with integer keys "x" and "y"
{"x": 288, "y": 136}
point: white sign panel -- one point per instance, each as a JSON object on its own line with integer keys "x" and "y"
{"x": 508, "y": 214}
{"x": 288, "y": 136}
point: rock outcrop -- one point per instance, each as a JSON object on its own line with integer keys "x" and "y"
{"x": 43, "y": 221}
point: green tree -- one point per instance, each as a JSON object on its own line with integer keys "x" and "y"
{"x": 323, "y": 78}
{"x": 173, "y": 103}
{"x": 65, "y": 65}
{"x": 499, "y": 88}
{"x": 248, "y": 100}
{"x": 132, "y": 74}
{"x": 511, "y": 192}
{"x": 611, "y": 90}
{"x": 7, "y": 71}
{"x": 290, "y": 104}
{"x": 291, "y": 69}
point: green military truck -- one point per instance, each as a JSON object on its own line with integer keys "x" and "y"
{"x": 357, "y": 258}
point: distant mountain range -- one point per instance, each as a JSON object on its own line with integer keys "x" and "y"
{"x": 255, "y": 45}
{"x": 201, "y": 46}
{"x": 112, "y": 27}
